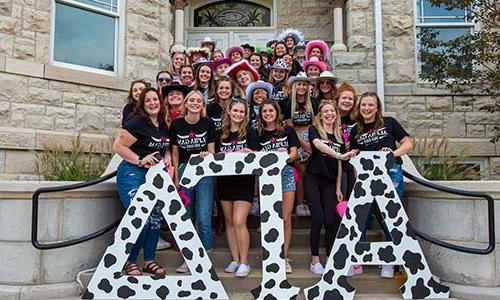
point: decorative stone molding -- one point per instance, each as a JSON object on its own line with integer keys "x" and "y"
{"x": 180, "y": 4}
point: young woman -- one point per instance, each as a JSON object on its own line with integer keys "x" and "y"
{"x": 273, "y": 136}
{"x": 255, "y": 60}
{"x": 235, "y": 54}
{"x": 163, "y": 78}
{"x": 256, "y": 93}
{"x": 179, "y": 59}
{"x": 219, "y": 67}
{"x": 142, "y": 142}
{"x": 313, "y": 68}
{"x": 204, "y": 79}
{"x": 374, "y": 132}
{"x": 293, "y": 64}
{"x": 218, "y": 54}
{"x": 278, "y": 78}
{"x": 243, "y": 73}
{"x": 299, "y": 112}
{"x": 326, "y": 86}
{"x": 224, "y": 90}
{"x": 135, "y": 90}
{"x": 193, "y": 134}
{"x": 236, "y": 192}
{"x": 317, "y": 48}
{"x": 322, "y": 179}
{"x": 174, "y": 95}
{"x": 291, "y": 37}
{"x": 186, "y": 76}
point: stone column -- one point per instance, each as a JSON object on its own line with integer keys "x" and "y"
{"x": 179, "y": 6}
{"x": 338, "y": 26}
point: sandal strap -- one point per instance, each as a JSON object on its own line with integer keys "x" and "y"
{"x": 153, "y": 267}
{"x": 131, "y": 267}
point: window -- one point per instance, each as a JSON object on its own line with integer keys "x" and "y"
{"x": 232, "y": 14}
{"x": 443, "y": 24}
{"x": 85, "y": 35}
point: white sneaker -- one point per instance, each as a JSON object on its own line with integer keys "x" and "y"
{"x": 355, "y": 270}
{"x": 232, "y": 267}
{"x": 288, "y": 266}
{"x": 308, "y": 212}
{"x": 387, "y": 271}
{"x": 317, "y": 268}
{"x": 182, "y": 268}
{"x": 162, "y": 244}
{"x": 300, "y": 210}
{"x": 243, "y": 270}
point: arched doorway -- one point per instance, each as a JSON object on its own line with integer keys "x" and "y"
{"x": 230, "y": 22}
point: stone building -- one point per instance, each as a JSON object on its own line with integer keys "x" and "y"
{"x": 65, "y": 65}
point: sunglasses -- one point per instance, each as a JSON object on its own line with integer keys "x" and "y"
{"x": 163, "y": 79}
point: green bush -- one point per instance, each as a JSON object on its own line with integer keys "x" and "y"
{"x": 77, "y": 164}
{"x": 434, "y": 162}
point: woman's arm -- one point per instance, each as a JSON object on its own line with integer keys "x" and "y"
{"x": 405, "y": 146}
{"x": 175, "y": 163}
{"x": 340, "y": 197}
{"x": 122, "y": 147}
{"x": 293, "y": 153}
{"x": 329, "y": 151}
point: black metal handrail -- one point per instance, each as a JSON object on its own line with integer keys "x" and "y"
{"x": 34, "y": 215}
{"x": 491, "y": 217}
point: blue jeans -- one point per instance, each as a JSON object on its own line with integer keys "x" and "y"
{"x": 396, "y": 174}
{"x": 200, "y": 207}
{"x": 128, "y": 179}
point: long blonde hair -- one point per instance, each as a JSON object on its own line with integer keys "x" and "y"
{"x": 184, "y": 111}
{"x": 293, "y": 99}
{"x": 318, "y": 123}
{"x": 226, "y": 120}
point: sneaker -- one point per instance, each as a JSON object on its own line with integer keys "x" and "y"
{"x": 300, "y": 210}
{"x": 182, "y": 268}
{"x": 355, "y": 270}
{"x": 255, "y": 208}
{"x": 243, "y": 270}
{"x": 288, "y": 266}
{"x": 317, "y": 268}
{"x": 387, "y": 271}
{"x": 232, "y": 267}
{"x": 162, "y": 244}
{"x": 308, "y": 212}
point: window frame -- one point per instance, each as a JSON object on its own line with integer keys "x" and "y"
{"x": 119, "y": 21}
{"x": 444, "y": 25}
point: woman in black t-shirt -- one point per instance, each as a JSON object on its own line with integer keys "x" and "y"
{"x": 193, "y": 134}
{"x": 135, "y": 90}
{"x": 224, "y": 89}
{"x": 273, "y": 136}
{"x": 322, "y": 179}
{"x": 142, "y": 142}
{"x": 236, "y": 192}
{"x": 374, "y": 132}
{"x": 256, "y": 93}
{"x": 204, "y": 79}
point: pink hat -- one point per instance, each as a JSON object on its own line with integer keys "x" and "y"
{"x": 239, "y": 66}
{"x": 316, "y": 62}
{"x": 230, "y": 51}
{"x": 323, "y": 47}
{"x": 219, "y": 62}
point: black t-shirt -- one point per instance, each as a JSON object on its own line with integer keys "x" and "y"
{"x": 149, "y": 138}
{"x": 271, "y": 140}
{"x": 128, "y": 111}
{"x": 191, "y": 138}
{"x": 320, "y": 163}
{"x": 375, "y": 140}
{"x": 233, "y": 144}
{"x": 214, "y": 113}
{"x": 300, "y": 117}
{"x": 346, "y": 125}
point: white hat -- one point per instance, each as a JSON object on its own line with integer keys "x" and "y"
{"x": 259, "y": 85}
{"x": 326, "y": 75}
{"x": 208, "y": 40}
{"x": 302, "y": 76}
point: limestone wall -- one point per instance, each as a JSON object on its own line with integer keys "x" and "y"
{"x": 39, "y": 101}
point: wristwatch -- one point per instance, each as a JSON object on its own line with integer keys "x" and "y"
{"x": 139, "y": 163}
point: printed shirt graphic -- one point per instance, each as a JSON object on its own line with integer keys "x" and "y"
{"x": 271, "y": 140}
{"x": 300, "y": 117}
{"x": 346, "y": 126}
{"x": 233, "y": 144}
{"x": 321, "y": 163}
{"x": 149, "y": 138}
{"x": 191, "y": 138}
{"x": 214, "y": 113}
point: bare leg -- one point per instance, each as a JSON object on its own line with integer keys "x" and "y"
{"x": 288, "y": 199}
{"x": 301, "y": 169}
{"x": 240, "y": 214}
{"x": 227, "y": 207}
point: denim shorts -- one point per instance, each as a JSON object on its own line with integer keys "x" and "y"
{"x": 303, "y": 135}
{"x": 287, "y": 181}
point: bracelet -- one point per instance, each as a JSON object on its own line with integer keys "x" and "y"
{"x": 139, "y": 163}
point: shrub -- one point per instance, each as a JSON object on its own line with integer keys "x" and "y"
{"x": 77, "y": 164}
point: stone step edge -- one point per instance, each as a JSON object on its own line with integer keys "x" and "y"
{"x": 43, "y": 291}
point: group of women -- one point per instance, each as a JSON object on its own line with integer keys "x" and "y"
{"x": 213, "y": 101}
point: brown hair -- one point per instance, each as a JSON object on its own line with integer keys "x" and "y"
{"x": 226, "y": 120}
{"x": 345, "y": 87}
{"x": 218, "y": 82}
{"x": 139, "y": 108}
{"x": 184, "y": 111}
{"x": 129, "y": 99}
{"x": 197, "y": 75}
{"x": 379, "y": 120}
{"x": 331, "y": 94}
{"x": 278, "y": 122}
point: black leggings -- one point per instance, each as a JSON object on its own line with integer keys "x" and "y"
{"x": 322, "y": 199}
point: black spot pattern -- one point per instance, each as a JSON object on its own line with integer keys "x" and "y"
{"x": 285, "y": 284}
{"x": 174, "y": 207}
{"x": 162, "y": 292}
{"x": 274, "y": 268}
{"x": 199, "y": 171}
{"x": 268, "y": 160}
{"x": 313, "y": 293}
{"x": 195, "y": 160}
{"x": 213, "y": 275}
{"x": 257, "y": 172}
{"x": 342, "y": 232}
{"x": 361, "y": 247}
{"x": 144, "y": 210}
{"x": 188, "y": 254}
{"x": 132, "y": 280}
{"x": 267, "y": 189}
{"x": 270, "y": 297}
{"x": 358, "y": 190}
{"x": 185, "y": 181}
{"x": 186, "y": 236}
{"x": 158, "y": 181}
{"x": 150, "y": 195}
{"x": 271, "y": 236}
{"x": 397, "y": 236}
{"x": 201, "y": 253}
{"x": 265, "y": 253}
{"x": 179, "y": 283}
{"x": 125, "y": 292}
{"x": 377, "y": 187}
{"x": 173, "y": 226}
{"x": 393, "y": 209}
{"x": 278, "y": 207}
{"x": 137, "y": 222}
{"x": 249, "y": 158}
{"x": 87, "y": 295}
{"x": 361, "y": 212}
{"x": 419, "y": 290}
{"x": 128, "y": 248}
{"x": 366, "y": 164}
{"x": 216, "y": 168}
{"x": 368, "y": 258}
{"x": 105, "y": 286}
{"x": 273, "y": 172}
{"x": 239, "y": 167}
{"x": 214, "y": 295}
{"x": 256, "y": 292}
{"x": 363, "y": 176}
{"x": 390, "y": 160}
{"x": 354, "y": 259}
{"x": 413, "y": 261}
{"x": 185, "y": 217}
{"x": 333, "y": 295}
{"x": 398, "y": 222}
{"x": 109, "y": 259}
{"x": 389, "y": 195}
{"x": 342, "y": 282}
{"x": 171, "y": 189}
{"x": 387, "y": 254}
{"x": 199, "y": 269}
{"x": 198, "y": 285}
{"x": 264, "y": 217}
{"x": 328, "y": 276}
{"x": 183, "y": 294}
{"x": 219, "y": 156}
{"x": 353, "y": 234}
{"x": 377, "y": 172}
{"x": 340, "y": 257}
{"x": 146, "y": 286}
{"x": 437, "y": 287}
{"x": 270, "y": 284}
{"x": 131, "y": 210}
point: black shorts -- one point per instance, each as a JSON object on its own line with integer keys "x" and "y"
{"x": 231, "y": 188}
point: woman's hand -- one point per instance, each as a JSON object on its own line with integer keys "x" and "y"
{"x": 204, "y": 153}
{"x": 340, "y": 197}
{"x": 348, "y": 155}
{"x": 167, "y": 160}
{"x": 149, "y": 160}
{"x": 387, "y": 149}
{"x": 246, "y": 150}
{"x": 282, "y": 150}
{"x": 307, "y": 148}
